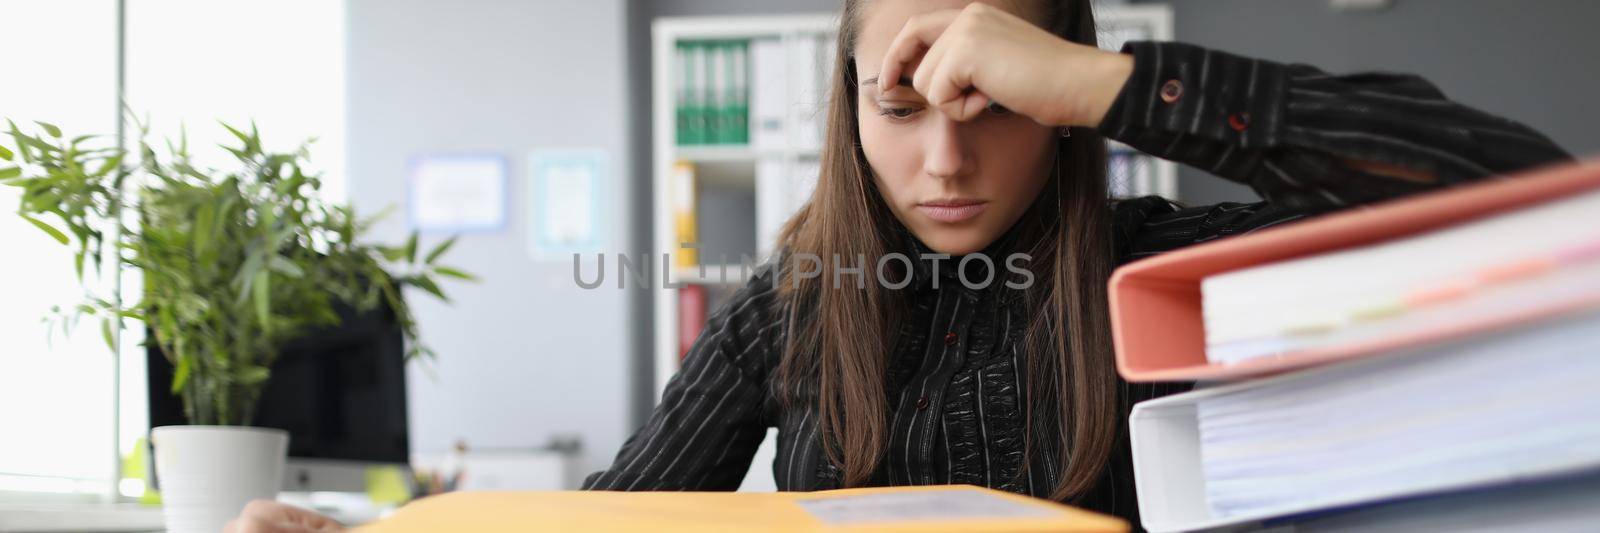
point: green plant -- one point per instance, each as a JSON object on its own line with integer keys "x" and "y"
{"x": 234, "y": 263}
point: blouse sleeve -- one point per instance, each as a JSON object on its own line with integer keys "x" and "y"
{"x": 704, "y": 432}
{"x": 1305, "y": 140}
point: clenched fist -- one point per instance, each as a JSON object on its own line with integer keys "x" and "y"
{"x": 961, "y": 59}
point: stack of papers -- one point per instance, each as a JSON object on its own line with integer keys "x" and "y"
{"x": 1529, "y": 259}
{"x": 951, "y": 508}
{"x": 1477, "y": 411}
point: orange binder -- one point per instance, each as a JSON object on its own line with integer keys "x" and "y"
{"x": 877, "y": 510}
{"x": 1156, "y": 319}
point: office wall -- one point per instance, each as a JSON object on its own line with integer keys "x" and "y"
{"x": 1530, "y": 61}
{"x": 526, "y": 353}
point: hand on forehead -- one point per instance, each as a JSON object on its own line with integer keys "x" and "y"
{"x": 882, "y": 20}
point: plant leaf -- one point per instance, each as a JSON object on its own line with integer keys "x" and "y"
{"x": 43, "y": 147}
{"x": 260, "y": 290}
{"x": 50, "y": 129}
{"x": 411, "y": 248}
{"x": 453, "y": 273}
{"x": 110, "y": 163}
{"x": 391, "y": 253}
{"x": 203, "y": 221}
{"x": 180, "y": 376}
{"x": 54, "y": 233}
{"x": 253, "y": 375}
{"x": 9, "y": 172}
{"x": 427, "y": 284}
{"x": 285, "y": 267}
{"x": 105, "y": 331}
{"x": 5, "y": 153}
{"x": 439, "y": 250}
{"x": 236, "y": 133}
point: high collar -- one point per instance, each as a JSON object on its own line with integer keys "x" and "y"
{"x": 925, "y": 262}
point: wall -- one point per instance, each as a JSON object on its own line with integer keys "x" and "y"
{"x": 1515, "y": 59}
{"x": 525, "y": 354}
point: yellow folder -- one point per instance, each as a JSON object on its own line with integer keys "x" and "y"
{"x": 937, "y": 508}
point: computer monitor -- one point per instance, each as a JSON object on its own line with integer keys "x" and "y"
{"x": 339, "y": 391}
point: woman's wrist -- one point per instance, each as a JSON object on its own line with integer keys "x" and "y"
{"x": 1111, "y": 72}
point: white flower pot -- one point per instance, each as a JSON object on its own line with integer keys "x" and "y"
{"x": 208, "y": 473}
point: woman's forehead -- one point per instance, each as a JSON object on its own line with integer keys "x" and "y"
{"x": 882, "y": 20}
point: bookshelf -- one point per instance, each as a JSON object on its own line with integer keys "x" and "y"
{"x": 742, "y": 191}
{"x": 721, "y": 170}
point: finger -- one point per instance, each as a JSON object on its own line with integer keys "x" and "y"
{"x": 318, "y": 522}
{"x": 973, "y": 104}
{"x": 949, "y": 87}
{"x": 248, "y": 524}
{"x": 922, "y": 77}
{"x": 262, "y": 508}
{"x": 917, "y": 36}
{"x": 307, "y": 519}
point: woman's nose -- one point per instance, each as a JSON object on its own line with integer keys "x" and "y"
{"x": 947, "y": 154}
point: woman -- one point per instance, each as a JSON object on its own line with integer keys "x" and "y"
{"x": 1006, "y": 105}
{"x": 960, "y": 129}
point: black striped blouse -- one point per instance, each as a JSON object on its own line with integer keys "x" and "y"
{"x": 1290, "y": 131}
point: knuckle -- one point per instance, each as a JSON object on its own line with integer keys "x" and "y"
{"x": 246, "y": 525}
{"x": 256, "y": 507}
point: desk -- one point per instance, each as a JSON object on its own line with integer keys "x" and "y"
{"x": 80, "y": 517}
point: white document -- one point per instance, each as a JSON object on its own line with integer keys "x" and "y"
{"x": 458, "y": 193}
{"x": 932, "y": 505}
{"x": 565, "y": 194}
{"x": 808, "y": 101}
{"x": 769, "y": 95}
{"x": 1481, "y": 412}
{"x": 782, "y": 187}
{"x": 1308, "y": 302}
{"x": 1494, "y": 406}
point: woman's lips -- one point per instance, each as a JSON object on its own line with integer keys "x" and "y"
{"x": 952, "y": 210}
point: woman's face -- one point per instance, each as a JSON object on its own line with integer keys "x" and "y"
{"x": 956, "y": 185}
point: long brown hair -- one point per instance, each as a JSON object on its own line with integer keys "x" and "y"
{"x": 839, "y": 338}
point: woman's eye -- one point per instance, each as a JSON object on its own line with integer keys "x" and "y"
{"x": 897, "y": 113}
{"x": 996, "y": 108}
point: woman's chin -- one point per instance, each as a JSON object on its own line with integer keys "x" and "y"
{"x": 955, "y": 243}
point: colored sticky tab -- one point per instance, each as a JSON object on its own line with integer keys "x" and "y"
{"x": 387, "y": 485}
{"x": 1387, "y": 309}
{"x": 1443, "y": 292}
{"x": 135, "y": 473}
{"x": 1583, "y": 252}
{"x": 1515, "y": 270}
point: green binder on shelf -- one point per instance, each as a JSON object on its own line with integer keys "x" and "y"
{"x": 717, "y": 92}
{"x": 692, "y": 114}
{"x": 739, "y": 93}
{"x": 680, "y": 89}
{"x": 713, "y": 92}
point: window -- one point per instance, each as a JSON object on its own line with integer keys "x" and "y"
{"x": 56, "y": 395}
{"x": 187, "y": 61}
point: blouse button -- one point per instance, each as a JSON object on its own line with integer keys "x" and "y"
{"x": 950, "y": 338}
{"x": 922, "y": 403}
{"x": 1171, "y": 91}
{"x": 1239, "y": 121}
